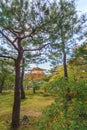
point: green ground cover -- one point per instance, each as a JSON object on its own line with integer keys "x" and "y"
{"x": 32, "y": 107}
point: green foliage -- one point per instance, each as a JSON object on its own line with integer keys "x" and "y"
{"x": 6, "y": 75}
{"x": 69, "y": 112}
{"x": 35, "y": 84}
{"x": 63, "y": 27}
{"x": 80, "y": 55}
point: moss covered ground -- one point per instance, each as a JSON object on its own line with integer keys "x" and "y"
{"x": 32, "y": 107}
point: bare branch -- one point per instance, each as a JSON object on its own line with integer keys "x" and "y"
{"x": 12, "y": 31}
{"x": 29, "y": 35}
{"x": 15, "y": 41}
{"x": 37, "y": 49}
{"x": 12, "y": 42}
{"x": 7, "y": 57}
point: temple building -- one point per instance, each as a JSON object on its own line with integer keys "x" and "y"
{"x": 36, "y": 74}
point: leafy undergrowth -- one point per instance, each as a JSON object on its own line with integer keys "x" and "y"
{"x": 32, "y": 107}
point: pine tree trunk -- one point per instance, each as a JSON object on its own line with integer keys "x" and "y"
{"x": 16, "y": 106}
{"x": 1, "y": 88}
{"x": 22, "y": 92}
{"x": 65, "y": 66}
{"x": 22, "y": 77}
{"x": 2, "y": 83}
{"x": 63, "y": 43}
{"x": 34, "y": 90}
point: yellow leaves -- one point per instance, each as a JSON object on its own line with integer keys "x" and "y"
{"x": 61, "y": 114}
{"x": 54, "y": 77}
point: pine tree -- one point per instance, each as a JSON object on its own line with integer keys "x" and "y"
{"x": 21, "y": 30}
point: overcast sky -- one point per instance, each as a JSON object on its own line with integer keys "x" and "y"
{"x": 82, "y": 5}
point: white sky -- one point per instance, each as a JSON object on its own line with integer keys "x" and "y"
{"x": 81, "y": 6}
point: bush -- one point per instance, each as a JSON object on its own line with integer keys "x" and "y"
{"x": 66, "y": 114}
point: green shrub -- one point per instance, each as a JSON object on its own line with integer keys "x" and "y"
{"x": 66, "y": 113}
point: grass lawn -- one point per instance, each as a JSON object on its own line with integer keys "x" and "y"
{"x": 32, "y": 106}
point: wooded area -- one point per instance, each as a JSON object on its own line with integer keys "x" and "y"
{"x": 38, "y": 32}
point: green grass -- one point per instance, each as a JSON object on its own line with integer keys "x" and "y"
{"x": 32, "y": 106}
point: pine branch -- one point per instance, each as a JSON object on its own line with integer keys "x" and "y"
{"x": 7, "y": 57}
{"x": 12, "y": 42}
{"x": 37, "y": 49}
{"x": 29, "y": 35}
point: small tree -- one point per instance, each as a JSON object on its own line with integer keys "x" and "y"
{"x": 66, "y": 25}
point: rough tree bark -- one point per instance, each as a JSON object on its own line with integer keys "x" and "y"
{"x": 22, "y": 77}
{"x": 65, "y": 66}
{"x": 16, "y": 105}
